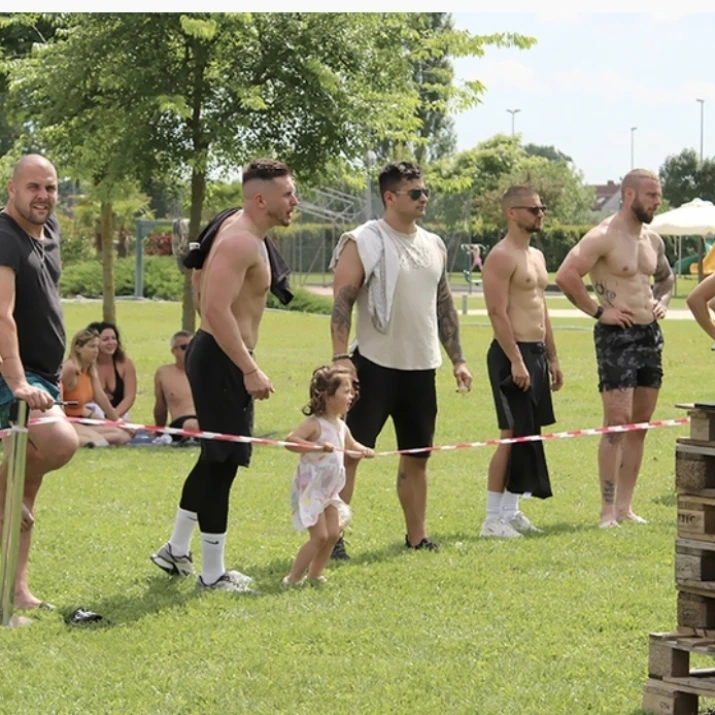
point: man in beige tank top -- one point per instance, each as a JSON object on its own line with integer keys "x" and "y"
{"x": 404, "y": 311}
{"x": 620, "y": 255}
{"x": 514, "y": 280}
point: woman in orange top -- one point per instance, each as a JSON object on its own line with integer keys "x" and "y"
{"x": 80, "y": 383}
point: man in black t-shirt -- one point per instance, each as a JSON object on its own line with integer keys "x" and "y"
{"x": 32, "y": 337}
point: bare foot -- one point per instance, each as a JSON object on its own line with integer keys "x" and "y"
{"x": 26, "y": 602}
{"x": 609, "y": 524}
{"x": 630, "y": 516}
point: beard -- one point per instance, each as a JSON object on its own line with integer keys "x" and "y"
{"x": 640, "y": 213}
{"x": 279, "y": 219}
{"x": 32, "y": 215}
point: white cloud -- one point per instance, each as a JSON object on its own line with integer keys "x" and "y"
{"x": 696, "y": 89}
{"x": 507, "y": 73}
{"x": 609, "y": 83}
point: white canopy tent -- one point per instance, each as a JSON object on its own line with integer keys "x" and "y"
{"x": 695, "y": 218}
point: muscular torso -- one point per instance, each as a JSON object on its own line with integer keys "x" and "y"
{"x": 621, "y": 278}
{"x": 249, "y": 304}
{"x": 177, "y": 391}
{"x": 526, "y": 296}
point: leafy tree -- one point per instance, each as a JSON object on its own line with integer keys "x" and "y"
{"x": 547, "y": 152}
{"x": 138, "y": 95}
{"x": 684, "y": 178}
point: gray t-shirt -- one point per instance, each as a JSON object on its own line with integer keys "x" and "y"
{"x": 38, "y": 310}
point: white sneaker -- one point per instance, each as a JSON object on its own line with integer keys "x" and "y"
{"x": 231, "y": 581}
{"x": 523, "y": 525}
{"x": 498, "y": 528}
{"x": 172, "y": 564}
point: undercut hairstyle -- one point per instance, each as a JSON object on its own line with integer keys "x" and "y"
{"x": 180, "y": 334}
{"x": 264, "y": 169}
{"x": 632, "y": 180}
{"x": 100, "y": 327}
{"x": 324, "y": 384}
{"x": 515, "y": 195}
{"x": 394, "y": 174}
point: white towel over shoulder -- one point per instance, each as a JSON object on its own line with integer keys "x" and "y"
{"x": 381, "y": 264}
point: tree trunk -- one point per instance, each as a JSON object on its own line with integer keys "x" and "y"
{"x": 198, "y": 194}
{"x": 108, "y": 308}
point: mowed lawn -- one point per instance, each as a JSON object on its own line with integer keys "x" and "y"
{"x": 555, "y": 624}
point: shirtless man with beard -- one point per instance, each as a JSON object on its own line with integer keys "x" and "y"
{"x": 231, "y": 287}
{"x": 620, "y": 255}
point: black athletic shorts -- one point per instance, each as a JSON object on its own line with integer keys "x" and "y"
{"x": 178, "y": 423}
{"x": 220, "y": 398}
{"x": 408, "y": 396}
{"x": 629, "y": 357}
{"x": 499, "y": 370}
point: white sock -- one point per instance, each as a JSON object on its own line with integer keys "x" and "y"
{"x": 509, "y": 505}
{"x": 212, "y": 567}
{"x": 184, "y": 524}
{"x": 494, "y": 500}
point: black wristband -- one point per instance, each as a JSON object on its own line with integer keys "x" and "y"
{"x": 598, "y": 313}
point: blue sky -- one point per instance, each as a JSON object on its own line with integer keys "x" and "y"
{"x": 589, "y": 79}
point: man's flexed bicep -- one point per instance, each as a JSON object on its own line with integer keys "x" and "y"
{"x": 348, "y": 279}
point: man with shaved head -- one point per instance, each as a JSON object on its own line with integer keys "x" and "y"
{"x": 234, "y": 267}
{"x": 520, "y": 358}
{"x": 32, "y": 337}
{"x": 620, "y": 255}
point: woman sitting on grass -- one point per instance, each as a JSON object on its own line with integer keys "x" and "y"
{"x": 116, "y": 371}
{"x": 80, "y": 383}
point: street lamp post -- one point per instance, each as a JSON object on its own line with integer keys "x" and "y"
{"x": 633, "y": 144}
{"x": 702, "y": 117}
{"x": 513, "y": 112}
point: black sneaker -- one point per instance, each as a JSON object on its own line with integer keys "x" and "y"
{"x": 424, "y": 544}
{"x": 339, "y": 553}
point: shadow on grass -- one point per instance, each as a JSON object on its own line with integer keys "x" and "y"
{"x": 163, "y": 592}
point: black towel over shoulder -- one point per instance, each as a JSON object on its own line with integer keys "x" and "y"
{"x": 195, "y": 258}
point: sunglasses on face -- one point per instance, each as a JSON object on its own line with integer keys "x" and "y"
{"x": 183, "y": 347}
{"x": 536, "y": 210}
{"x": 415, "y": 194}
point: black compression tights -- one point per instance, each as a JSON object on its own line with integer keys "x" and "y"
{"x": 206, "y": 492}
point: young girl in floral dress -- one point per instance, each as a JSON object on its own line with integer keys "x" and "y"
{"x": 320, "y": 475}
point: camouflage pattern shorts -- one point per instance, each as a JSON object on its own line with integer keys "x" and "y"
{"x": 628, "y": 357}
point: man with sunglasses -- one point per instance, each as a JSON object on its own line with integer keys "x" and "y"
{"x": 172, "y": 392}
{"x": 620, "y": 255}
{"x": 519, "y": 361}
{"x": 396, "y": 273}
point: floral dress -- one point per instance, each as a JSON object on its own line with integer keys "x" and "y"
{"x": 319, "y": 478}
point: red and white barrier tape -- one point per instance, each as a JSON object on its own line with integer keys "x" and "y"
{"x": 198, "y": 434}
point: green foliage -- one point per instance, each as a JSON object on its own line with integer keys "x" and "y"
{"x": 470, "y": 184}
{"x": 162, "y": 281}
{"x": 684, "y": 178}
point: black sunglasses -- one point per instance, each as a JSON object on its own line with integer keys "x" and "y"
{"x": 183, "y": 347}
{"x": 414, "y": 194}
{"x": 532, "y": 209}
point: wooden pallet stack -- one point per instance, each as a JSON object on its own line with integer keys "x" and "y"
{"x": 673, "y": 687}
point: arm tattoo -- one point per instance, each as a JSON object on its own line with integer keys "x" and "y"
{"x": 606, "y": 295}
{"x": 571, "y": 299}
{"x": 341, "y": 318}
{"x": 448, "y": 320}
{"x": 662, "y": 280}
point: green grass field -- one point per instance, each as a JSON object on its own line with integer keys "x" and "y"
{"x": 555, "y": 624}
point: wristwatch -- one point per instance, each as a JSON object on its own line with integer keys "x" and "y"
{"x": 598, "y": 313}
